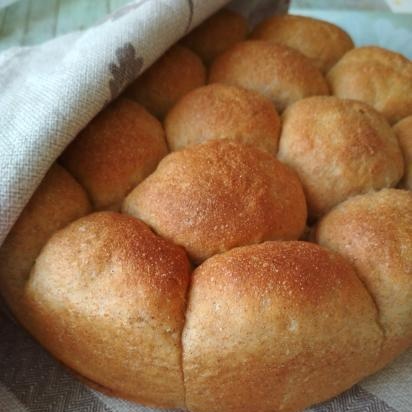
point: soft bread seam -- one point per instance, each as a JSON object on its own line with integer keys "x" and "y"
{"x": 88, "y": 196}
{"x": 182, "y": 353}
{"x": 378, "y": 312}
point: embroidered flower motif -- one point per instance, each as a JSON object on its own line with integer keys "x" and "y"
{"x": 126, "y": 69}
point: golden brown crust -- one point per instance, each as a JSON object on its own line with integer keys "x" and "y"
{"x": 107, "y": 297}
{"x": 278, "y": 72}
{"x": 218, "y": 195}
{"x": 57, "y": 201}
{"x": 216, "y": 34}
{"x": 276, "y": 327}
{"x": 403, "y": 130}
{"x": 377, "y": 76}
{"x": 219, "y": 111}
{"x": 374, "y": 231}
{"x": 117, "y": 150}
{"x": 339, "y": 148}
{"x": 322, "y": 42}
{"x": 177, "y": 72}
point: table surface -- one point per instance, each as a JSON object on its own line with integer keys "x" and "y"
{"x": 28, "y": 22}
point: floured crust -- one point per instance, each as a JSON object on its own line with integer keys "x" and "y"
{"x": 339, "y": 148}
{"x": 278, "y": 72}
{"x": 107, "y": 297}
{"x": 216, "y": 34}
{"x": 403, "y": 130}
{"x": 374, "y": 232}
{"x": 176, "y": 73}
{"x": 219, "y": 111}
{"x": 324, "y": 43}
{"x": 212, "y": 197}
{"x": 376, "y": 76}
{"x": 117, "y": 150}
{"x": 276, "y": 327}
{"x": 57, "y": 201}
{"x": 261, "y": 325}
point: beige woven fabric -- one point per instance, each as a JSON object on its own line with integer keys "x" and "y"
{"x": 50, "y": 92}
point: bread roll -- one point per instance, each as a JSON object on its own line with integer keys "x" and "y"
{"x": 177, "y": 72}
{"x": 212, "y": 197}
{"x": 218, "y": 111}
{"x": 107, "y": 298}
{"x": 403, "y": 130}
{"x": 116, "y": 151}
{"x": 278, "y": 72}
{"x": 216, "y": 34}
{"x": 323, "y": 42}
{"x": 339, "y": 148}
{"x": 58, "y": 200}
{"x": 376, "y": 76}
{"x": 276, "y": 327}
{"x": 374, "y": 231}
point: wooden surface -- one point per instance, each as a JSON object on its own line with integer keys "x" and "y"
{"x": 29, "y": 22}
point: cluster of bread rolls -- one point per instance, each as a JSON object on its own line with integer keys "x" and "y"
{"x": 190, "y": 285}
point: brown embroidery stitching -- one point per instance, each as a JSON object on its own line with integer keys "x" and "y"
{"x": 126, "y": 70}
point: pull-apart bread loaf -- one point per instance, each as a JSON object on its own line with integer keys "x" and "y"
{"x": 212, "y": 197}
{"x": 107, "y": 297}
{"x": 339, "y": 148}
{"x": 323, "y": 42}
{"x": 374, "y": 232}
{"x": 219, "y": 111}
{"x": 177, "y": 72}
{"x": 120, "y": 147}
{"x": 278, "y": 72}
{"x": 276, "y": 327}
{"x": 376, "y": 76}
{"x": 403, "y": 130}
{"x": 57, "y": 201}
{"x": 216, "y": 34}
{"x": 199, "y": 295}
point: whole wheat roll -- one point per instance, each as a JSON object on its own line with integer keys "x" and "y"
{"x": 57, "y": 201}
{"x": 219, "y": 111}
{"x": 120, "y": 147}
{"x": 265, "y": 322}
{"x": 216, "y": 34}
{"x": 403, "y": 130}
{"x": 107, "y": 297}
{"x": 276, "y": 327}
{"x": 323, "y": 42}
{"x": 218, "y": 195}
{"x": 374, "y": 231}
{"x": 177, "y": 72}
{"x": 377, "y": 76}
{"x": 278, "y": 72}
{"x": 339, "y": 148}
